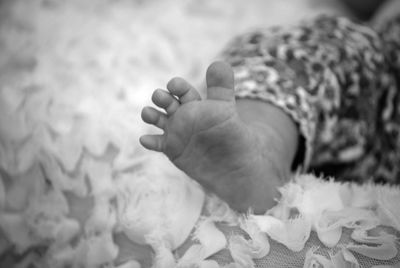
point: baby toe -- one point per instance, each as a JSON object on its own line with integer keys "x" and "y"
{"x": 152, "y": 142}
{"x": 183, "y": 90}
{"x": 220, "y": 82}
{"x": 165, "y": 100}
{"x": 154, "y": 117}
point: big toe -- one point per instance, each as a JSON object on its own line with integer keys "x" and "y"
{"x": 220, "y": 81}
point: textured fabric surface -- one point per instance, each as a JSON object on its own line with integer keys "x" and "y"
{"x": 339, "y": 81}
{"x": 367, "y": 198}
{"x": 280, "y": 256}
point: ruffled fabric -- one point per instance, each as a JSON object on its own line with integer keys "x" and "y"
{"x": 322, "y": 222}
{"x": 316, "y": 223}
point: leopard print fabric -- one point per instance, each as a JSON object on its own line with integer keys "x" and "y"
{"x": 337, "y": 80}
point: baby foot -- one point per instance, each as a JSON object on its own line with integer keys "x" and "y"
{"x": 210, "y": 142}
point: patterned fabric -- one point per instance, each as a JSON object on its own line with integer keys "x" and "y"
{"x": 337, "y": 80}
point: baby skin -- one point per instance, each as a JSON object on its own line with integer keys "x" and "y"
{"x": 241, "y": 150}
